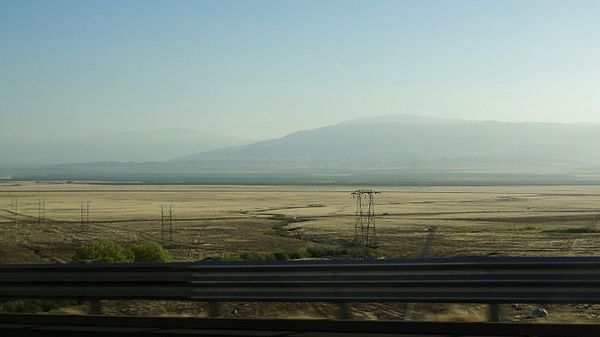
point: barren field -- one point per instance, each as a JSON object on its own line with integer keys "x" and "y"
{"x": 42, "y": 223}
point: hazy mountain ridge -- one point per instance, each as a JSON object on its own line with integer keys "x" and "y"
{"x": 132, "y": 146}
{"x": 383, "y": 150}
{"x": 416, "y": 142}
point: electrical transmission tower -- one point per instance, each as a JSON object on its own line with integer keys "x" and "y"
{"x": 85, "y": 215}
{"x": 166, "y": 223}
{"x": 41, "y": 212}
{"x": 365, "y": 233}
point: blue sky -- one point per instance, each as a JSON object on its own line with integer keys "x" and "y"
{"x": 260, "y": 69}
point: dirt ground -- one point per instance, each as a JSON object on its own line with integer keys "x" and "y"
{"x": 42, "y": 223}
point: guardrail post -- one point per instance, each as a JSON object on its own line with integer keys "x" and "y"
{"x": 345, "y": 311}
{"x": 494, "y": 312}
{"x": 408, "y": 311}
{"x": 214, "y": 309}
{"x": 96, "y": 307}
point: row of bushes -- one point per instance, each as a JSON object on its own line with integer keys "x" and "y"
{"x": 312, "y": 252}
{"x": 111, "y": 252}
{"x": 35, "y": 306}
{"x": 573, "y": 230}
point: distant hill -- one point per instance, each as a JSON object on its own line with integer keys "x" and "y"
{"x": 405, "y": 141}
{"x": 400, "y": 149}
{"x": 134, "y": 146}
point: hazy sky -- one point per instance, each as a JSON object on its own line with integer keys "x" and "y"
{"x": 265, "y": 68}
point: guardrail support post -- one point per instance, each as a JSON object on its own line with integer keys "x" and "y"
{"x": 214, "y": 309}
{"x": 494, "y": 312}
{"x": 344, "y": 311}
{"x": 95, "y": 307}
{"x": 408, "y": 311}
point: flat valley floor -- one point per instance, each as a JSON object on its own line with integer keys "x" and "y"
{"x": 45, "y": 222}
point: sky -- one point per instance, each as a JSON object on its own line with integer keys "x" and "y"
{"x": 262, "y": 69}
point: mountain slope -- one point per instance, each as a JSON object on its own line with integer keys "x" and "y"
{"x": 390, "y": 150}
{"x": 414, "y": 142}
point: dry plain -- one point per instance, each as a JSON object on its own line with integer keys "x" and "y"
{"x": 211, "y": 221}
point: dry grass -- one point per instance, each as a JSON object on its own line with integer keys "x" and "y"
{"x": 225, "y": 220}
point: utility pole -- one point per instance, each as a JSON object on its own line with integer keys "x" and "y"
{"x": 41, "y": 212}
{"x": 162, "y": 224}
{"x": 15, "y": 207}
{"x": 82, "y": 229}
{"x": 171, "y": 225}
{"x": 85, "y": 215}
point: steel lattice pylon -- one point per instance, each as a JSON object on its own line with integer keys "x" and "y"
{"x": 365, "y": 232}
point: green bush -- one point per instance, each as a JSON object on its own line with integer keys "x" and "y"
{"x": 34, "y": 306}
{"x": 281, "y": 255}
{"x": 573, "y": 230}
{"x": 327, "y": 251}
{"x": 150, "y": 252}
{"x": 323, "y": 251}
{"x": 299, "y": 254}
{"x": 103, "y": 251}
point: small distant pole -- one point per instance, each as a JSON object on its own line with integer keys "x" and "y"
{"x": 162, "y": 224}
{"x": 171, "y": 225}
{"x": 15, "y": 207}
{"x": 85, "y": 215}
{"x": 41, "y": 212}
{"x": 82, "y": 229}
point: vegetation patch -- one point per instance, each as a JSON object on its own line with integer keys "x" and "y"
{"x": 111, "y": 252}
{"x": 150, "y": 252}
{"x": 316, "y": 252}
{"x": 35, "y": 306}
{"x": 524, "y": 229}
{"x": 103, "y": 251}
{"x": 97, "y": 251}
{"x": 573, "y": 230}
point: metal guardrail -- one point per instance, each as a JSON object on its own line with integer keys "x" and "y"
{"x": 454, "y": 280}
{"x": 18, "y": 325}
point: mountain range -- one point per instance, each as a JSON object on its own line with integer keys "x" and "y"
{"x": 402, "y": 141}
{"x": 398, "y": 147}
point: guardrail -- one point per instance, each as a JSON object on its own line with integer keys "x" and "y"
{"x": 19, "y": 325}
{"x": 491, "y": 280}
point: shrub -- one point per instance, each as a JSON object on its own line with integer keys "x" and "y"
{"x": 150, "y": 252}
{"x": 35, "y": 306}
{"x": 103, "y": 251}
{"x": 111, "y": 252}
{"x": 254, "y": 256}
{"x": 327, "y": 251}
{"x": 299, "y": 254}
{"x": 282, "y": 255}
{"x": 573, "y": 230}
